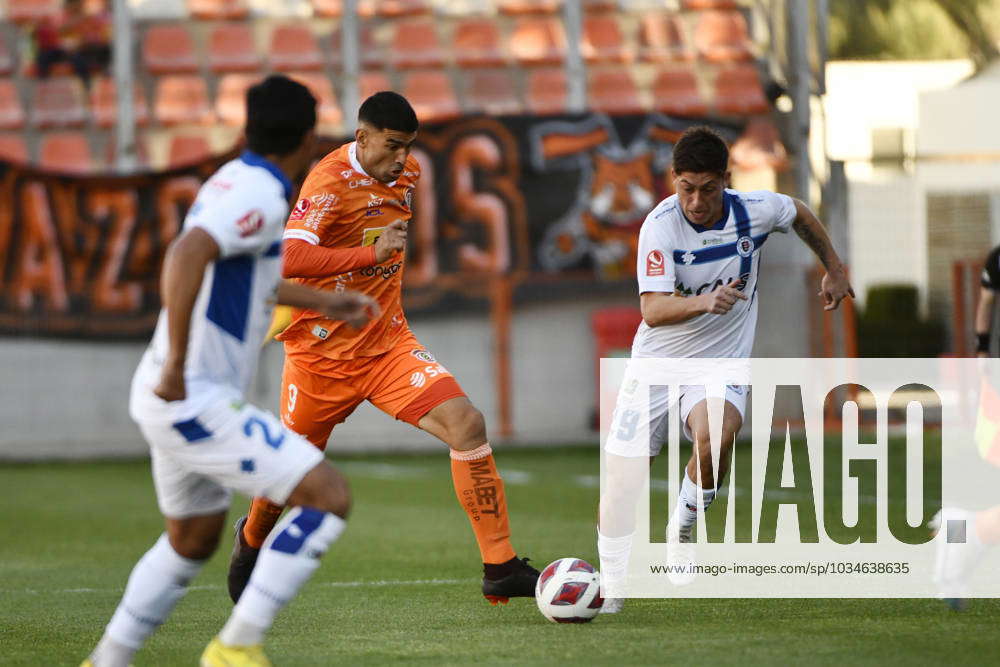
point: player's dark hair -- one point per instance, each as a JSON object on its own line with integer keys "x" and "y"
{"x": 701, "y": 150}
{"x": 387, "y": 110}
{"x": 280, "y": 112}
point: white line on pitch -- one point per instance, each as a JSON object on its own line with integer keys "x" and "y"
{"x": 325, "y": 584}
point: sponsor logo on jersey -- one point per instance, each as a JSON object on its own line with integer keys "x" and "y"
{"x": 424, "y": 355}
{"x": 250, "y": 223}
{"x": 370, "y": 235}
{"x": 744, "y": 246}
{"x": 372, "y": 212}
{"x": 654, "y": 263}
{"x": 320, "y": 332}
{"x": 408, "y": 197}
{"x": 361, "y": 182}
{"x": 320, "y": 205}
{"x": 384, "y": 272}
{"x": 706, "y": 242}
{"x": 301, "y": 208}
{"x": 346, "y": 174}
{"x": 373, "y": 200}
{"x": 687, "y": 258}
{"x": 711, "y": 286}
{"x": 418, "y": 379}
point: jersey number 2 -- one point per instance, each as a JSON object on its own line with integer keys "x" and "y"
{"x": 273, "y": 440}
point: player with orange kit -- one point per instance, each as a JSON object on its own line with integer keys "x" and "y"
{"x": 348, "y": 231}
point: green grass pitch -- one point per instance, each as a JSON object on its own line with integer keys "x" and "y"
{"x": 402, "y": 584}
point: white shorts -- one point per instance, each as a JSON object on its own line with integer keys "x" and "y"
{"x": 231, "y": 445}
{"x": 627, "y": 436}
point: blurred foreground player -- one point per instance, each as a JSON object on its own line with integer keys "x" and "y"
{"x": 348, "y": 230}
{"x": 698, "y": 264}
{"x": 221, "y": 279}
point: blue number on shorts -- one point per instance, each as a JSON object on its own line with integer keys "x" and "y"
{"x": 627, "y": 423}
{"x": 273, "y": 441}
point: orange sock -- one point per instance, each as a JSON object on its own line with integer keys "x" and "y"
{"x": 263, "y": 515}
{"x": 480, "y": 493}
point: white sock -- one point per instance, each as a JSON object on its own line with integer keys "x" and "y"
{"x": 686, "y": 511}
{"x": 157, "y": 582}
{"x": 287, "y": 559}
{"x": 614, "y": 553}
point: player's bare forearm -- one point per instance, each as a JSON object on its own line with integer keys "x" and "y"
{"x": 814, "y": 235}
{"x": 296, "y": 295}
{"x": 660, "y": 308}
{"x": 984, "y": 310}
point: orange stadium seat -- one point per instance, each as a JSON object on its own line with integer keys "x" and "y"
{"x": 293, "y": 47}
{"x": 58, "y": 102}
{"x": 66, "y": 152}
{"x": 13, "y": 148}
{"x": 370, "y": 83}
{"x": 11, "y": 109}
{"x": 492, "y": 92}
{"x": 231, "y": 48}
{"x": 218, "y": 9}
{"x": 369, "y": 51}
{"x": 529, "y": 6}
{"x": 661, "y": 38}
{"x": 327, "y": 108}
{"x": 723, "y": 37}
{"x": 432, "y": 95}
{"x": 20, "y": 11}
{"x": 104, "y": 102}
{"x": 709, "y": 4}
{"x": 169, "y": 49}
{"x": 613, "y": 91}
{"x": 600, "y": 5}
{"x": 538, "y": 41}
{"x": 141, "y": 152}
{"x": 6, "y": 56}
{"x": 328, "y": 8}
{"x": 476, "y": 43}
{"x": 675, "y": 92}
{"x": 415, "y": 44}
{"x": 546, "y": 91}
{"x": 738, "y": 91}
{"x": 187, "y": 148}
{"x": 181, "y": 99}
{"x": 602, "y": 40}
{"x": 393, "y": 8}
{"x": 231, "y": 98}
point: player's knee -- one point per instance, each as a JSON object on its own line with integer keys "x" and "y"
{"x": 468, "y": 429}
{"x": 324, "y": 489}
{"x": 194, "y": 545}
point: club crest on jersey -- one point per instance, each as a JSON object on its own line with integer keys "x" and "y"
{"x": 424, "y": 355}
{"x": 250, "y": 223}
{"x": 301, "y": 208}
{"x": 744, "y": 246}
{"x": 654, "y": 263}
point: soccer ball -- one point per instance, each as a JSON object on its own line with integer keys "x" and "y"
{"x": 569, "y": 591}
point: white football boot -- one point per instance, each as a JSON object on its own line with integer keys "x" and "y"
{"x": 681, "y": 556}
{"x": 955, "y": 560}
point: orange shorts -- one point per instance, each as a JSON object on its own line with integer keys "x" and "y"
{"x": 406, "y": 382}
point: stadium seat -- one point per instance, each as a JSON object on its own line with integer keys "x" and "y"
{"x": 613, "y": 91}
{"x": 491, "y": 92}
{"x": 13, "y": 148}
{"x": 738, "y": 91}
{"x": 182, "y": 99}
{"x": 529, "y": 6}
{"x": 476, "y": 43}
{"x": 393, "y": 8}
{"x": 432, "y": 95}
{"x": 538, "y": 41}
{"x": 600, "y": 5}
{"x": 187, "y": 149}
{"x": 141, "y": 152}
{"x": 709, "y": 4}
{"x": 169, "y": 49}
{"x": 11, "y": 109}
{"x": 218, "y": 10}
{"x": 723, "y": 37}
{"x": 104, "y": 102}
{"x": 328, "y": 8}
{"x": 327, "y": 108}
{"x": 6, "y": 56}
{"x": 293, "y": 47}
{"x": 66, "y": 152}
{"x": 602, "y": 40}
{"x": 58, "y": 102}
{"x": 675, "y": 92}
{"x": 231, "y": 98}
{"x": 369, "y": 51}
{"x": 231, "y": 48}
{"x": 370, "y": 83}
{"x": 760, "y": 147}
{"x": 661, "y": 38}
{"x": 415, "y": 45}
{"x": 546, "y": 91}
{"x": 24, "y": 11}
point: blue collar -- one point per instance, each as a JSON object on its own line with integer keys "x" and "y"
{"x": 721, "y": 224}
{"x": 254, "y": 160}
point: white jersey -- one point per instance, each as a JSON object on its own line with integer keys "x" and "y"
{"x": 679, "y": 257}
{"x": 243, "y": 206}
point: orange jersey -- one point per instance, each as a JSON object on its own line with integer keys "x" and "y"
{"x": 341, "y": 206}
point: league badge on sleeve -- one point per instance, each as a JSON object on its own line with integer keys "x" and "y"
{"x": 300, "y": 210}
{"x": 654, "y": 263}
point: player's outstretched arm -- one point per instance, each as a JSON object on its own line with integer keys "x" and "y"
{"x": 302, "y": 259}
{"x": 660, "y": 308}
{"x": 183, "y": 270}
{"x": 835, "y": 285}
{"x": 352, "y": 307}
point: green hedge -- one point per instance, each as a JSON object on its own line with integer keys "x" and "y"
{"x": 891, "y": 326}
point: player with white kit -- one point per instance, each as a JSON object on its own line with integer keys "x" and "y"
{"x": 221, "y": 279}
{"x": 698, "y": 265}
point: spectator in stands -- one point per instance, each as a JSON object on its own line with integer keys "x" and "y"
{"x": 75, "y": 37}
